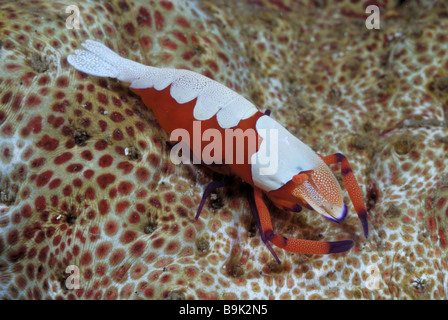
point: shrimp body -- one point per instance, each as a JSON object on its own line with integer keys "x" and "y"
{"x": 185, "y": 101}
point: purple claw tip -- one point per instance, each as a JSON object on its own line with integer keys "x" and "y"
{"x": 340, "y": 246}
{"x": 365, "y": 226}
{"x": 344, "y": 212}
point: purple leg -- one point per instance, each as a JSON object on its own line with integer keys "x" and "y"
{"x": 208, "y": 190}
{"x": 267, "y": 112}
{"x": 253, "y": 209}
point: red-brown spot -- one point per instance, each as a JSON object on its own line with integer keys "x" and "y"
{"x": 87, "y": 155}
{"x": 158, "y": 243}
{"x": 170, "y": 197}
{"x": 6, "y": 97}
{"x": 134, "y": 217}
{"x": 103, "y": 250}
{"x": 32, "y": 101}
{"x": 12, "y": 66}
{"x": 117, "y": 256}
{"x": 118, "y": 135}
{"x": 144, "y": 17}
{"x": 90, "y": 87}
{"x": 40, "y": 237}
{"x": 182, "y": 22}
{"x": 63, "y": 158}
{"x": 126, "y": 166}
{"x": 16, "y": 255}
{"x": 12, "y": 237}
{"x": 34, "y": 126}
{"x": 431, "y": 224}
{"x": 103, "y": 125}
{"x": 48, "y": 143}
{"x": 167, "y": 43}
{"x": 105, "y": 161}
{"x": 7, "y": 130}
{"x": 43, "y": 80}
{"x": 142, "y": 174}
{"x": 130, "y": 131}
{"x": 112, "y": 193}
{"x": 101, "y": 145}
{"x": 125, "y": 188}
{"x": 75, "y": 167}
{"x": 77, "y": 182}
{"x": 140, "y": 126}
{"x": 111, "y": 228}
{"x": 30, "y": 230}
{"x": 43, "y": 178}
{"x": 137, "y": 248}
{"x": 181, "y": 211}
{"x": 91, "y": 215}
{"x": 153, "y": 159}
{"x": 55, "y": 183}
{"x": 90, "y": 193}
{"x": 60, "y": 106}
{"x": 442, "y": 237}
{"x": 103, "y": 206}
{"x": 40, "y": 203}
{"x": 165, "y": 278}
{"x": 89, "y": 173}
{"x": 36, "y": 163}
{"x": 123, "y": 6}
{"x": 155, "y": 202}
{"x": 79, "y": 97}
{"x": 122, "y": 206}
{"x": 42, "y": 256}
{"x": 120, "y": 150}
{"x": 188, "y": 55}
{"x": 105, "y": 179}
{"x": 223, "y": 57}
{"x": 30, "y": 271}
{"x": 67, "y": 190}
{"x": 172, "y": 247}
{"x": 145, "y": 42}
{"x": 189, "y": 234}
{"x": 213, "y": 65}
{"x": 128, "y": 236}
{"x": 142, "y": 194}
{"x": 116, "y": 101}
{"x": 86, "y": 258}
{"x": 129, "y": 27}
{"x": 55, "y": 121}
{"x": 70, "y": 144}
{"x": 159, "y": 20}
{"x": 85, "y": 122}
{"x": 102, "y": 98}
{"x": 62, "y": 82}
{"x": 168, "y": 5}
{"x": 67, "y": 130}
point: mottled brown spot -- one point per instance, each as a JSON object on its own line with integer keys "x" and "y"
{"x": 132, "y": 153}
{"x": 39, "y": 63}
{"x": 80, "y": 137}
{"x": 392, "y": 212}
{"x": 216, "y": 201}
{"x": 403, "y": 145}
{"x": 175, "y": 295}
{"x": 361, "y": 143}
{"x": 202, "y": 245}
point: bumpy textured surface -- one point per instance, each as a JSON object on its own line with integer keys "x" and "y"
{"x": 85, "y": 175}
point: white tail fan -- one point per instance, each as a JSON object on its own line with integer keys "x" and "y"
{"x": 98, "y": 60}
